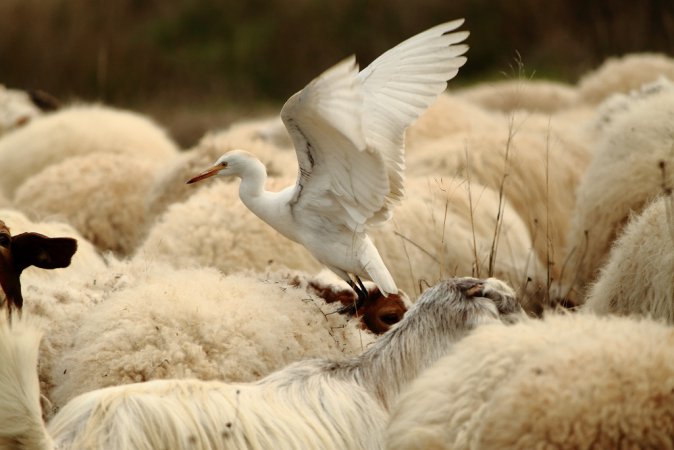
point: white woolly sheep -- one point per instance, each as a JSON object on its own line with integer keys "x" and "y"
{"x": 170, "y": 184}
{"x": 521, "y": 94}
{"x": 438, "y": 230}
{"x": 319, "y": 403}
{"x": 91, "y": 294}
{"x": 453, "y": 227}
{"x": 4, "y": 201}
{"x": 536, "y": 170}
{"x": 632, "y": 164}
{"x": 74, "y": 131}
{"x": 268, "y": 129}
{"x": 569, "y": 124}
{"x": 101, "y": 194}
{"x": 450, "y": 114}
{"x": 619, "y": 103}
{"x": 568, "y": 381}
{"x": 637, "y": 278}
{"x": 623, "y": 74}
{"x": 267, "y": 139}
{"x": 213, "y": 228}
{"x": 16, "y": 109}
{"x": 239, "y": 327}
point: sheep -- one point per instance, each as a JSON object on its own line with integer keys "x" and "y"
{"x": 61, "y": 297}
{"x": 637, "y": 278}
{"x": 267, "y": 139}
{"x": 92, "y": 289}
{"x": 23, "y": 250}
{"x": 631, "y": 165}
{"x": 438, "y": 230}
{"x": 450, "y": 114}
{"x": 74, "y": 131}
{"x": 377, "y": 315}
{"x": 103, "y": 195}
{"x": 537, "y": 171}
{"x": 623, "y": 74}
{"x": 268, "y": 129}
{"x": 85, "y": 261}
{"x": 316, "y": 403}
{"x": 520, "y": 94}
{"x": 619, "y": 103}
{"x": 4, "y": 201}
{"x": 229, "y": 238}
{"x": 568, "y": 381}
{"x": 16, "y": 109}
{"x": 239, "y": 328}
{"x": 455, "y": 227}
{"x": 170, "y": 187}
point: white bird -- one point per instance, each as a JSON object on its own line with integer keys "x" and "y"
{"x": 348, "y": 130}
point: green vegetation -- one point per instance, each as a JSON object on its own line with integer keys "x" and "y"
{"x": 227, "y": 53}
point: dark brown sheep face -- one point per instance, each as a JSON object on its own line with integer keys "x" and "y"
{"x": 25, "y": 250}
{"x": 7, "y": 291}
{"x": 377, "y": 314}
{"x": 380, "y": 312}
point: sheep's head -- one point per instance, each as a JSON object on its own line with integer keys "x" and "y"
{"x": 461, "y": 304}
{"x": 24, "y": 250}
{"x": 380, "y": 313}
{"x": 377, "y": 315}
{"x": 7, "y": 290}
{"x": 16, "y": 109}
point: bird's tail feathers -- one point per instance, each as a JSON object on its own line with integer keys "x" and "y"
{"x": 377, "y": 271}
{"x": 21, "y": 424}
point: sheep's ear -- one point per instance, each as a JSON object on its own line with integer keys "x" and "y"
{"x": 9, "y": 279}
{"x": 45, "y": 101}
{"x": 34, "y": 249}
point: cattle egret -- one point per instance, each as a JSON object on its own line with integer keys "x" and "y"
{"x": 348, "y": 131}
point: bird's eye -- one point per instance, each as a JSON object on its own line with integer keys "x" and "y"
{"x": 4, "y": 240}
{"x": 223, "y": 164}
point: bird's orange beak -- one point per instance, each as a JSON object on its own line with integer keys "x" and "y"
{"x": 206, "y": 174}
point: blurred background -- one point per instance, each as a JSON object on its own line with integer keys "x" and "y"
{"x": 198, "y": 64}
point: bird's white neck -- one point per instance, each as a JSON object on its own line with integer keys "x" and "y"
{"x": 253, "y": 178}
{"x": 272, "y": 207}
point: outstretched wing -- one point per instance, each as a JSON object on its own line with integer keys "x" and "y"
{"x": 348, "y": 127}
{"x": 400, "y": 85}
{"x": 340, "y": 178}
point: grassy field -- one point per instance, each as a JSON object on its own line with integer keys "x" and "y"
{"x": 200, "y": 62}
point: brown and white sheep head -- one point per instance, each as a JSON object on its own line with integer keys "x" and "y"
{"x": 377, "y": 315}
{"x": 25, "y": 250}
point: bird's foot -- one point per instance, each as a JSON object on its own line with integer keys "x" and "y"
{"x": 351, "y": 309}
{"x": 362, "y": 296}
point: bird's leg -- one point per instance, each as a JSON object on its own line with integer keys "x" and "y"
{"x": 362, "y": 294}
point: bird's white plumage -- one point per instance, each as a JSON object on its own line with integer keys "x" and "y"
{"x": 348, "y": 127}
{"x": 400, "y": 85}
{"x": 348, "y": 130}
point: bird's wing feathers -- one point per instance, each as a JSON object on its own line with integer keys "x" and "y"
{"x": 400, "y": 85}
{"x": 348, "y": 127}
{"x": 338, "y": 173}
